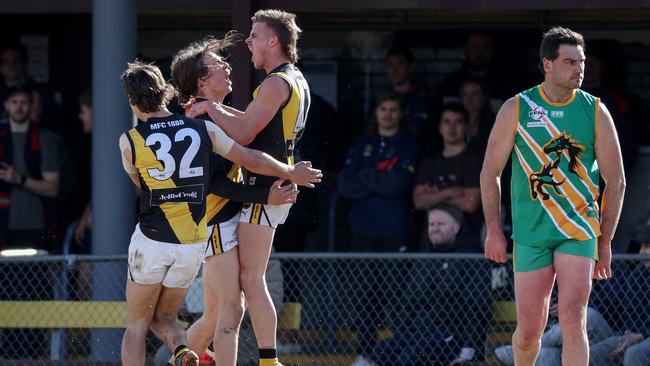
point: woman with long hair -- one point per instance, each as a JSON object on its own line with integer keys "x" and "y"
{"x": 473, "y": 95}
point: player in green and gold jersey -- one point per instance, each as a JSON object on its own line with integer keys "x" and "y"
{"x": 560, "y": 139}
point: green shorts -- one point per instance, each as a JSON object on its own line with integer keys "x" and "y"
{"x": 528, "y": 258}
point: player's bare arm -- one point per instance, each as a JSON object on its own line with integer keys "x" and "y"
{"x": 610, "y": 162}
{"x": 243, "y": 128}
{"x": 234, "y": 111}
{"x": 500, "y": 144}
{"x": 256, "y": 161}
{"x": 125, "y": 152}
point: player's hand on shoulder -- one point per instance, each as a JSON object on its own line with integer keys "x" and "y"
{"x": 199, "y": 108}
{"x": 280, "y": 194}
{"x": 303, "y": 174}
{"x": 495, "y": 246}
{"x": 188, "y": 105}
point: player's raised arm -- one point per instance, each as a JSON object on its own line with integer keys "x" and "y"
{"x": 243, "y": 127}
{"x": 500, "y": 144}
{"x": 234, "y": 111}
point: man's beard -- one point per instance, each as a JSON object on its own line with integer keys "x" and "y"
{"x": 443, "y": 239}
{"x": 22, "y": 120}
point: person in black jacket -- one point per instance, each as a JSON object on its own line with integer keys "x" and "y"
{"x": 444, "y": 311}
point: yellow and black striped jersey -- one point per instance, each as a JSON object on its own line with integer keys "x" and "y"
{"x": 281, "y": 134}
{"x": 172, "y": 158}
{"x": 227, "y": 191}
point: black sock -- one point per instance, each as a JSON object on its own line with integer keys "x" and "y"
{"x": 268, "y": 353}
{"x": 211, "y": 347}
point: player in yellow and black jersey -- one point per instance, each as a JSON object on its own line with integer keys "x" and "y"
{"x": 200, "y": 73}
{"x": 273, "y": 121}
{"x": 283, "y": 131}
{"x": 168, "y": 157}
{"x": 172, "y": 198}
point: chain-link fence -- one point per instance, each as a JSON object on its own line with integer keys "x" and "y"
{"x": 393, "y": 309}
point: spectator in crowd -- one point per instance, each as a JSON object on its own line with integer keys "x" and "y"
{"x": 473, "y": 95}
{"x": 621, "y": 109}
{"x": 30, "y": 162}
{"x": 446, "y": 231}
{"x": 78, "y": 236}
{"x": 451, "y": 175}
{"x": 443, "y": 314}
{"x": 377, "y": 178}
{"x": 415, "y": 94}
{"x": 479, "y": 52}
{"x": 82, "y": 231}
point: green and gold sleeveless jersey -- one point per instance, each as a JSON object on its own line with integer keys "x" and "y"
{"x": 281, "y": 134}
{"x": 555, "y": 176}
{"x": 172, "y": 155}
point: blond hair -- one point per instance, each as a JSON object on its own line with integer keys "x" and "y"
{"x": 285, "y": 27}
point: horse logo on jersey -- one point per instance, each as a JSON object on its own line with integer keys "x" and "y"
{"x": 543, "y": 178}
{"x": 563, "y": 143}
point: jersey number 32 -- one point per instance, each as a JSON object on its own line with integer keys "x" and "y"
{"x": 167, "y": 160}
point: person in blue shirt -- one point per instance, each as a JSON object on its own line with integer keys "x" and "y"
{"x": 377, "y": 178}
